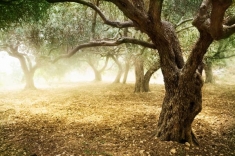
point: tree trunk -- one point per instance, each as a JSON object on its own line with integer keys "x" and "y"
{"x": 119, "y": 74}
{"x": 126, "y": 71}
{"x": 180, "y": 106}
{"x": 98, "y": 76}
{"x": 29, "y": 80}
{"x": 183, "y": 96}
{"x": 139, "y": 75}
{"x": 26, "y": 67}
{"x": 98, "y": 73}
{"x": 208, "y": 72}
{"x": 149, "y": 74}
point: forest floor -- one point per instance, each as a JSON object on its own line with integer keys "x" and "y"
{"x": 108, "y": 120}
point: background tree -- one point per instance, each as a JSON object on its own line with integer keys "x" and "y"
{"x": 217, "y": 55}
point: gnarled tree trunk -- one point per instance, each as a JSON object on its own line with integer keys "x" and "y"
{"x": 183, "y": 96}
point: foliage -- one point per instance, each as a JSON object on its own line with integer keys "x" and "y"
{"x": 15, "y": 12}
{"x": 220, "y": 51}
{"x": 174, "y": 10}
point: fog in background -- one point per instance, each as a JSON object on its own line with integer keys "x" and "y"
{"x": 65, "y": 72}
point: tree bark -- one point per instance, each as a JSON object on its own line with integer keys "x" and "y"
{"x": 126, "y": 71}
{"x": 139, "y": 74}
{"x": 149, "y": 74}
{"x": 208, "y": 72}
{"x": 183, "y": 96}
{"x": 182, "y": 102}
{"x": 120, "y": 71}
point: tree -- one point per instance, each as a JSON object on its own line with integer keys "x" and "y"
{"x": 217, "y": 55}
{"x": 26, "y": 65}
{"x": 24, "y": 44}
{"x": 15, "y": 14}
{"x": 183, "y": 81}
{"x": 152, "y": 69}
{"x": 94, "y": 63}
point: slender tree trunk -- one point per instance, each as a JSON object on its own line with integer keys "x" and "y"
{"x": 208, "y": 72}
{"x": 120, "y": 71}
{"x": 98, "y": 76}
{"x": 126, "y": 71}
{"x": 149, "y": 74}
{"x": 139, "y": 75}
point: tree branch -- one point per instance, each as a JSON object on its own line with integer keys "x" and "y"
{"x": 105, "y": 64}
{"x": 138, "y": 16}
{"x": 183, "y": 21}
{"x": 95, "y": 8}
{"x": 105, "y": 43}
{"x": 214, "y": 23}
{"x": 217, "y": 17}
{"x": 155, "y": 9}
{"x": 185, "y": 28}
{"x": 196, "y": 56}
{"x": 230, "y": 21}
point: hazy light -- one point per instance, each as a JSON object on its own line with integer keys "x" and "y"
{"x": 7, "y": 63}
{"x": 10, "y": 71}
{"x": 76, "y": 76}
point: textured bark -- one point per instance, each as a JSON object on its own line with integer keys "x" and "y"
{"x": 181, "y": 104}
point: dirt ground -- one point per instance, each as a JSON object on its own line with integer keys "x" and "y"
{"x": 108, "y": 120}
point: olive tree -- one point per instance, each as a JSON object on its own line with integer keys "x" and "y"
{"x": 183, "y": 80}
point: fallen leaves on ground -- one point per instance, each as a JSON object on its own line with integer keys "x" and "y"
{"x": 108, "y": 119}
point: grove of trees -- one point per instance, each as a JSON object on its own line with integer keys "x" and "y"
{"x": 147, "y": 24}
